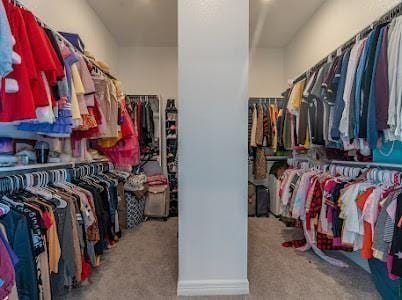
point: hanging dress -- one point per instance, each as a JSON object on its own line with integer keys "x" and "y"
{"x": 20, "y": 105}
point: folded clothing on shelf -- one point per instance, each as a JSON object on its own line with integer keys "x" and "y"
{"x": 157, "y": 180}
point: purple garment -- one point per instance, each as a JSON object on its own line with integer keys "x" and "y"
{"x": 10, "y": 251}
{"x": 7, "y": 272}
{"x": 390, "y": 262}
{"x": 381, "y": 85}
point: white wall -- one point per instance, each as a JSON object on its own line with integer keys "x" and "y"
{"x": 335, "y": 22}
{"x": 267, "y": 77}
{"x": 153, "y": 70}
{"x": 77, "y": 16}
{"x": 148, "y": 70}
{"x": 213, "y": 83}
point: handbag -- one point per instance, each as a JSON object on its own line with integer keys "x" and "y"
{"x": 135, "y": 183}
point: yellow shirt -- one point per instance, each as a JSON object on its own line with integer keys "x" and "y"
{"x": 296, "y": 97}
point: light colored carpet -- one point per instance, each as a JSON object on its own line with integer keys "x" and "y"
{"x": 144, "y": 266}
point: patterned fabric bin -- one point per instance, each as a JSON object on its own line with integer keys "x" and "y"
{"x": 135, "y": 210}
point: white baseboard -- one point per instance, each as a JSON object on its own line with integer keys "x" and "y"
{"x": 212, "y": 287}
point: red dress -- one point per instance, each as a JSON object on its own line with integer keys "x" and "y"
{"x": 45, "y": 58}
{"x": 20, "y": 105}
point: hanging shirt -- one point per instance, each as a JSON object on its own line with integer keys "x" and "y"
{"x": 254, "y": 128}
{"x": 394, "y": 79}
{"x": 367, "y": 80}
{"x": 267, "y": 127}
{"x": 372, "y": 133}
{"x": 362, "y": 199}
{"x": 339, "y": 103}
{"x": 350, "y": 77}
{"x": 303, "y": 123}
{"x": 381, "y": 84}
{"x": 353, "y": 228}
{"x": 79, "y": 90}
{"x": 295, "y": 100}
{"x": 396, "y": 246}
{"x": 259, "y": 136}
{"x": 316, "y": 108}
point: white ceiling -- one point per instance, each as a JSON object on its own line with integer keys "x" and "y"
{"x": 273, "y": 23}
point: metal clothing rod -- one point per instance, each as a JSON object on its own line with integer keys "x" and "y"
{"x": 385, "y": 18}
{"x": 266, "y": 99}
{"x": 9, "y": 171}
{"x": 364, "y": 164}
{"x": 142, "y": 96}
{"x": 273, "y": 158}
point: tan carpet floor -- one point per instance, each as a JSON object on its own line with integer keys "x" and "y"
{"x": 144, "y": 266}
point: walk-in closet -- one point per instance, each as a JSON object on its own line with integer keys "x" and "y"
{"x": 126, "y": 173}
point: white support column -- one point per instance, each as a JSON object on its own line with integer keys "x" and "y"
{"x": 213, "y": 92}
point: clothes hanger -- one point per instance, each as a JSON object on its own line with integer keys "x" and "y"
{"x": 37, "y": 188}
{"x": 4, "y": 208}
{"x": 11, "y": 186}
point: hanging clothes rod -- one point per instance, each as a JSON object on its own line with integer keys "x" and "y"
{"x": 253, "y": 101}
{"x": 140, "y": 96}
{"x": 9, "y": 171}
{"x": 266, "y": 99}
{"x": 365, "y": 164}
{"x": 347, "y": 163}
{"x": 88, "y": 59}
{"x": 272, "y": 158}
{"x": 385, "y": 18}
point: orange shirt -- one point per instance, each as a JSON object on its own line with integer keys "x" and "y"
{"x": 367, "y": 251}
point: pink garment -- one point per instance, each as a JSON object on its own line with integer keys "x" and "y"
{"x": 371, "y": 208}
{"x": 330, "y": 185}
{"x": 390, "y": 261}
{"x": 7, "y": 273}
{"x": 87, "y": 82}
{"x": 157, "y": 180}
{"x": 391, "y": 209}
{"x": 126, "y": 153}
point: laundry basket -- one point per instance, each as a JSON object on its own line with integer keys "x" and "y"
{"x": 157, "y": 202}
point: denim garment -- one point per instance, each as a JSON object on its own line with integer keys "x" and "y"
{"x": 339, "y": 103}
{"x": 20, "y": 241}
{"x": 367, "y": 80}
{"x": 388, "y": 289}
